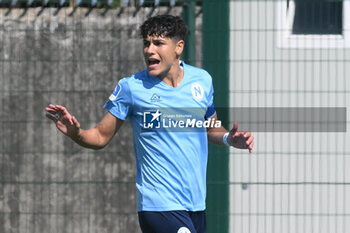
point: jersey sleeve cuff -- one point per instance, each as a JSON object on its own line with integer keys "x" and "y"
{"x": 109, "y": 106}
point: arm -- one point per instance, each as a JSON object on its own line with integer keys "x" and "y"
{"x": 94, "y": 138}
{"x": 237, "y": 139}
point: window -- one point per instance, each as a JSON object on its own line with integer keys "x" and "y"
{"x": 313, "y": 23}
{"x": 317, "y": 17}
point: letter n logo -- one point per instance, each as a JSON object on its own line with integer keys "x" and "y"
{"x": 197, "y": 91}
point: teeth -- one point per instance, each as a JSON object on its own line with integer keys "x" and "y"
{"x": 153, "y": 61}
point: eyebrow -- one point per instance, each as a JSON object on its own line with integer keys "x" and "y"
{"x": 156, "y": 39}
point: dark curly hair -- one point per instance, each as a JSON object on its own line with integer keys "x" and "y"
{"x": 164, "y": 25}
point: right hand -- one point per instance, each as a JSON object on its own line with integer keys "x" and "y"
{"x": 65, "y": 122}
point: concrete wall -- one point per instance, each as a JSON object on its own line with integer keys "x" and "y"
{"x": 293, "y": 182}
{"x": 47, "y": 183}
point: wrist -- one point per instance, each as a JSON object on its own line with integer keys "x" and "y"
{"x": 76, "y": 137}
{"x": 224, "y": 139}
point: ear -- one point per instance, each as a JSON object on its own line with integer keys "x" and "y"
{"x": 179, "y": 47}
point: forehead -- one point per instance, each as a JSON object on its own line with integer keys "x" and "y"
{"x": 158, "y": 38}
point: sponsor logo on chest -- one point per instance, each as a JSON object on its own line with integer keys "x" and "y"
{"x": 155, "y": 98}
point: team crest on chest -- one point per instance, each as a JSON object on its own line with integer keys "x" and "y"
{"x": 197, "y": 91}
{"x": 184, "y": 230}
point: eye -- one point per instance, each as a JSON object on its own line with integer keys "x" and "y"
{"x": 146, "y": 43}
{"x": 157, "y": 42}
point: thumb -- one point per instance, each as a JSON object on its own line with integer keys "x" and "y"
{"x": 234, "y": 129}
{"x": 75, "y": 122}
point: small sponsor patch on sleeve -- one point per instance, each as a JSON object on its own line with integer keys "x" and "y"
{"x": 116, "y": 92}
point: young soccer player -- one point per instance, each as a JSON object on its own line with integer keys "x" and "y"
{"x": 171, "y": 165}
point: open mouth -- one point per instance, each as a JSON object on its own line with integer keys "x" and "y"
{"x": 152, "y": 63}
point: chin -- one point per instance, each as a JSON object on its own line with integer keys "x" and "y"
{"x": 153, "y": 73}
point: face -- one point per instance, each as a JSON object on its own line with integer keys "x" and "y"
{"x": 161, "y": 55}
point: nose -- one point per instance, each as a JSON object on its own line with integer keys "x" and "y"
{"x": 149, "y": 49}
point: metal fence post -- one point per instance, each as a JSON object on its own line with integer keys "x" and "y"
{"x": 189, "y": 16}
{"x": 216, "y": 62}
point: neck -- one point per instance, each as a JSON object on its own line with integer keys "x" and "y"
{"x": 174, "y": 76}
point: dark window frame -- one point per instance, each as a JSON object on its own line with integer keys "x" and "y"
{"x": 321, "y": 17}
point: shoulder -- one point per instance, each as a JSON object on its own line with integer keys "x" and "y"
{"x": 137, "y": 78}
{"x": 132, "y": 80}
{"x": 198, "y": 75}
{"x": 198, "y": 72}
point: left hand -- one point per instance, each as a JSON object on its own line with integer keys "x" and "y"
{"x": 240, "y": 139}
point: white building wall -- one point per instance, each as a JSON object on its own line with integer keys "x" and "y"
{"x": 296, "y": 182}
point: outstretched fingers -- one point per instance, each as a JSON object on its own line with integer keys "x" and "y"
{"x": 250, "y": 148}
{"x": 241, "y": 139}
{"x": 249, "y": 140}
{"x": 60, "y": 113}
{"x": 51, "y": 117}
{"x": 52, "y": 113}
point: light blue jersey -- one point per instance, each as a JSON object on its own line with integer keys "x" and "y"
{"x": 171, "y": 164}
